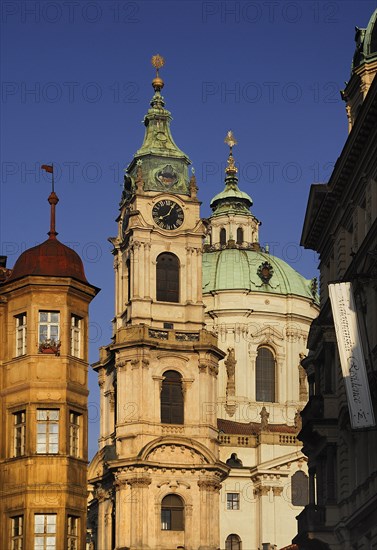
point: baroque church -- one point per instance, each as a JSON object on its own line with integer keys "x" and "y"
{"x": 204, "y": 380}
{"x": 201, "y": 385}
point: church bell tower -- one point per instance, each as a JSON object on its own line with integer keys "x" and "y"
{"x": 156, "y": 478}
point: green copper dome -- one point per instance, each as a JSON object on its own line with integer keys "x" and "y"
{"x": 231, "y": 199}
{"x": 235, "y": 269}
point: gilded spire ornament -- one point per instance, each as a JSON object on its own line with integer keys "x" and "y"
{"x": 157, "y": 61}
{"x": 230, "y": 140}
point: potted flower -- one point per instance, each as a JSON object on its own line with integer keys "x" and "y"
{"x": 50, "y": 346}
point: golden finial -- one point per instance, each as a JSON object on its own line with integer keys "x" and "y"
{"x": 157, "y": 61}
{"x": 230, "y": 140}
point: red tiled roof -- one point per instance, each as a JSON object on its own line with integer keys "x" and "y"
{"x": 251, "y": 428}
{"x": 51, "y": 259}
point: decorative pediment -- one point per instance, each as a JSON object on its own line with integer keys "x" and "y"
{"x": 176, "y": 454}
{"x": 266, "y": 334}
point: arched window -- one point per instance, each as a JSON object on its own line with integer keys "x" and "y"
{"x": 223, "y": 236}
{"x": 233, "y": 542}
{"x": 265, "y": 376}
{"x": 299, "y": 489}
{"x": 239, "y": 235}
{"x": 167, "y": 275}
{"x": 172, "y": 513}
{"x": 172, "y": 398}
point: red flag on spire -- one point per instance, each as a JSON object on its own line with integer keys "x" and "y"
{"x": 48, "y": 168}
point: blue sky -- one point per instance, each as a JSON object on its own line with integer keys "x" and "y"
{"x": 76, "y": 83}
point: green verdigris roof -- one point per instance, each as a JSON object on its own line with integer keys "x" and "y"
{"x": 366, "y": 42}
{"x": 164, "y": 167}
{"x": 231, "y": 199}
{"x": 234, "y": 269}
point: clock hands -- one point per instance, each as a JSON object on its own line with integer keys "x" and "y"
{"x": 165, "y": 215}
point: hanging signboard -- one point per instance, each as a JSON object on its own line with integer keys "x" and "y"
{"x": 351, "y": 355}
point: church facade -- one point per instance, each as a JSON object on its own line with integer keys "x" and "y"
{"x": 200, "y": 386}
{"x": 261, "y": 310}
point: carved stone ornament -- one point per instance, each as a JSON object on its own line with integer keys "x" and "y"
{"x": 265, "y": 272}
{"x": 262, "y": 490}
{"x": 160, "y": 334}
{"x": 176, "y": 454}
{"x": 139, "y": 482}
{"x": 187, "y": 336}
{"x": 102, "y": 494}
{"x": 120, "y": 364}
{"x": 230, "y": 364}
{"x": 209, "y": 485}
{"x": 139, "y": 176}
{"x": 112, "y": 400}
{"x": 298, "y": 420}
{"x": 264, "y": 419}
{"x": 134, "y": 363}
{"x": 192, "y": 185}
{"x": 230, "y": 408}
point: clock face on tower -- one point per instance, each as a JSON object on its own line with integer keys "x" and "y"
{"x": 167, "y": 214}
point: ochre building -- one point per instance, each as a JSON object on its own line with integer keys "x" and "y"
{"x": 44, "y": 303}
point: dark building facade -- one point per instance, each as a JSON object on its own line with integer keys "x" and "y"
{"x": 341, "y": 225}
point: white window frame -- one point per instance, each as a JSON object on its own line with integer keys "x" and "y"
{"x": 231, "y": 502}
{"x": 44, "y": 532}
{"x": 17, "y": 532}
{"x": 51, "y": 324}
{"x": 48, "y": 426}
{"x": 74, "y": 433}
{"x": 21, "y": 332}
{"x": 72, "y": 532}
{"x": 76, "y": 330}
{"x": 19, "y": 433}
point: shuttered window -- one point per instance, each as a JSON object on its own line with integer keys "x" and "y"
{"x": 172, "y": 398}
{"x": 265, "y": 376}
{"x": 167, "y": 276}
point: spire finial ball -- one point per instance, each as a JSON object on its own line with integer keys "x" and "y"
{"x": 157, "y": 61}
